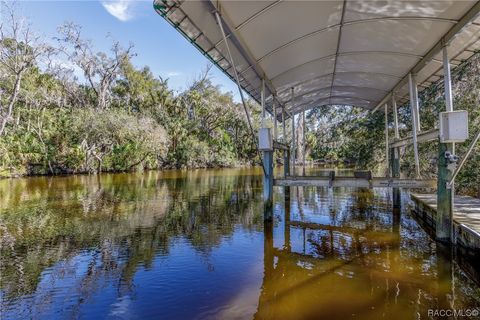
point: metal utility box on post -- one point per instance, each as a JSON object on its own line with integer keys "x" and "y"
{"x": 265, "y": 143}
{"x": 265, "y": 139}
{"x": 453, "y": 126}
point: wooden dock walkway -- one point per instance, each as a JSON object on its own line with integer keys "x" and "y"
{"x": 466, "y": 216}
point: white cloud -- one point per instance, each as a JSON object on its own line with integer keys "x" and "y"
{"x": 173, "y": 74}
{"x": 120, "y": 9}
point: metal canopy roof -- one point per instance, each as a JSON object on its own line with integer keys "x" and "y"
{"x": 347, "y": 52}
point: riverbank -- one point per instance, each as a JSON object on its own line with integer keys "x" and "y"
{"x": 16, "y": 173}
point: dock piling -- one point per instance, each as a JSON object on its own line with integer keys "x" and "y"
{"x": 443, "y": 231}
{"x": 268, "y": 185}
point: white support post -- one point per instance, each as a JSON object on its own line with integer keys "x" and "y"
{"x": 275, "y": 132}
{"x": 416, "y": 103}
{"x": 412, "y": 91}
{"x": 303, "y": 140}
{"x": 294, "y": 156}
{"x": 395, "y": 152}
{"x": 447, "y": 79}
{"x": 286, "y": 153}
{"x": 395, "y": 116}
{"x": 263, "y": 103}
{"x": 387, "y": 151}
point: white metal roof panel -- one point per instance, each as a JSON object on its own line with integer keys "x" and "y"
{"x": 331, "y": 52}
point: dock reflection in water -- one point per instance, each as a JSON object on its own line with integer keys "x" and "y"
{"x": 192, "y": 245}
{"x": 338, "y": 254}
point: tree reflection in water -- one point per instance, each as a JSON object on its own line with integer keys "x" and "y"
{"x": 112, "y": 224}
{"x": 192, "y": 244}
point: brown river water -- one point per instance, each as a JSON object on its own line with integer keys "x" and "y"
{"x": 193, "y": 245}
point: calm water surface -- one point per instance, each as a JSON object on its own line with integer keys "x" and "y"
{"x": 193, "y": 245}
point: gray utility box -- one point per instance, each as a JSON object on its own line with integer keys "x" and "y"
{"x": 265, "y": 139}
{"x": 453, "y": 126}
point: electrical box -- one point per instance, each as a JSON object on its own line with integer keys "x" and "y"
{"x": 265, "y": 139}
{"x": 453, "y": 126}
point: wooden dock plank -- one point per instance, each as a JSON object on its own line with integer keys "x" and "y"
{"x": 466, "y": 210}
{"x": 466, "y": 217}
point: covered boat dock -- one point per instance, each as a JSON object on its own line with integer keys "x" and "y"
{"x": 292, "y": 56}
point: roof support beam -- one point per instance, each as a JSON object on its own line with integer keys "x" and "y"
{"x": 425, "y": 136}
{"x": 447, "y": 37}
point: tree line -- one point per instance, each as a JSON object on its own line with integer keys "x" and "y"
{"x": 68, "y": 108}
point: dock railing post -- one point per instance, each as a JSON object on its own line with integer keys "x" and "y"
{"x": 444, "y": 218}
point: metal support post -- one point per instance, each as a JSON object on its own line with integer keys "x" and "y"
{"x": 303, "y": 141}
{"x": 387, "y": 151}
{"x": 416, "y": 104}
{"x": 413, "y": 106}
{"x": 395, "y": 117}
{"x": 286, "y": 153}
{"x": 275, "y": 129}
{"x": 447, "y": 79}
{"x": 395, "y": 152}
{"x": 262, "y": 99}
{"x": 293, "y": 154}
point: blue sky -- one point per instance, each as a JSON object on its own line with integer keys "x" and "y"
{"x": 157, "y": 44}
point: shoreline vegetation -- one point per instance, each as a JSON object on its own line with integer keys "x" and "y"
{"x": 67, "y": 108}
